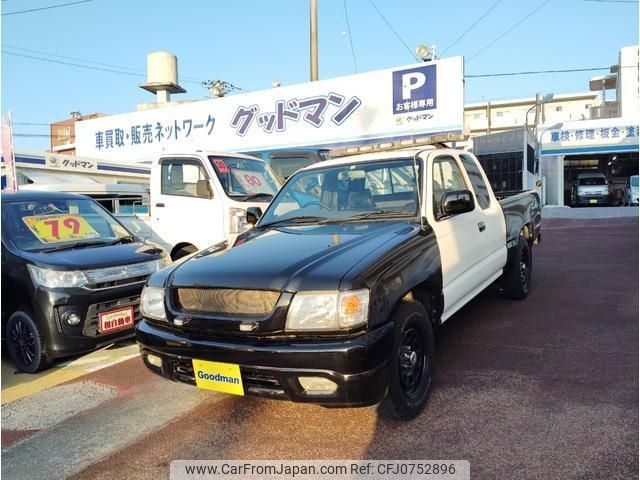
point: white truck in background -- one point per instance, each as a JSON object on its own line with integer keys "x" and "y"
{"x": 200, "y": 198}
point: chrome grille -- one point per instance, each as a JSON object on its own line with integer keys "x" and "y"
{"x": 227, "y": 301}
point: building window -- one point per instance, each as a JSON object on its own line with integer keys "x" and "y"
{"x": 587, "y": 106}
{"x": 559, "y": 109}
{"x": 499, "y": 114}
{"x": 477, "y": 116}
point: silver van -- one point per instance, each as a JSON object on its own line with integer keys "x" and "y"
{"x": 590, "y": 189}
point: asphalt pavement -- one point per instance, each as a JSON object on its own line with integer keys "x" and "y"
{"x": 541, "y": 388}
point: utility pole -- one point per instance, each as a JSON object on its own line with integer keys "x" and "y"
{"x": 313, "y": 31}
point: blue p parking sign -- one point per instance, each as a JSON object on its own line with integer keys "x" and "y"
{"x": 414, "y": 89}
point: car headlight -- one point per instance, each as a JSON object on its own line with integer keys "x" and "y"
{"x": 326, "y": 311}
{"x": 152, "y": 303}
{"x": 238, "y": 220}
{"x": 46, "y": 277}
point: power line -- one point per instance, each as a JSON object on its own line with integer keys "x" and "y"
{"x": 393, "y": 30}
{"x": 89, "y": 67}
{"x": 473, "y": 25}
{"x": 119, "y": 67}
{"x": 536, "y": 72}
{"x": 612, "y": 1}
{"x": 353, "y": 52}
{"x": 46, "y": 8}
{"x": 31, "y": 123}
{"x": 484, "y": 49}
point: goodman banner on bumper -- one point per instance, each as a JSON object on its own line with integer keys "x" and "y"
{"x": 392, "y": 104}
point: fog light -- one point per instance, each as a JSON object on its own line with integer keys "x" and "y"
{"x": 317, "y": 385}
{"x": 71, "y": 318}
{"x": 154, "y": 360}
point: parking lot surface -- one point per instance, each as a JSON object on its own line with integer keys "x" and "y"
{"x": 541, "y": 388}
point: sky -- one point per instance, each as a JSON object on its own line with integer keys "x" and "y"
{"x": 252, "y": 43}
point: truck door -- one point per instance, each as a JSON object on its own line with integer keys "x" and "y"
{"x": 494, "y": 235}
{"x": 461, "y": 252}
{"x": 184, "y": 208}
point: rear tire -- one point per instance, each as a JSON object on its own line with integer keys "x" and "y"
{"x": 26, "y": 343}
{"x": 516, "y": 282}
{"x": 412, "y": 362}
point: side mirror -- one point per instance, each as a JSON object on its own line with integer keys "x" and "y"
{"x": 203, "y": 189}
{"x": 253, "y": 215}
{"x": 458, "y": 201}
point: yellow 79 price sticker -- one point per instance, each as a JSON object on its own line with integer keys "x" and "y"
{"x": 59, "y": 227}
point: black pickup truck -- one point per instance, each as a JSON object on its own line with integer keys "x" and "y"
{"x": 334, "y": 295}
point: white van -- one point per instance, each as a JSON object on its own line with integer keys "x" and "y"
{"x": 201, "y": 198}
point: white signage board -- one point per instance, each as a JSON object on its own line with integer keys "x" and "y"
{"x": 590, "y": 136}
{"x": 396, "y": 103}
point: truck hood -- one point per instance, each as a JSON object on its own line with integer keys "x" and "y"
{"x": 311, "y": 258}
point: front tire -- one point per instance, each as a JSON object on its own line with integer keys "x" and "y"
{"x": 25, "y": 343}
{"x": 412, "y": 362}
{"x": 516, "y": 282}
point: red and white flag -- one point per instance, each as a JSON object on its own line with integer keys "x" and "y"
{"x": 8, "y": 156}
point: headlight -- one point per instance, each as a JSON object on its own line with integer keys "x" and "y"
{"x": 238, "y": 220}
{"x": 46, "y": 277}
{"x": 325, "y": 311}
{"x": 152, "y": 303}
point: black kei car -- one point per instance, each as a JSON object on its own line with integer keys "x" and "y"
{"x": 71, "y": 276}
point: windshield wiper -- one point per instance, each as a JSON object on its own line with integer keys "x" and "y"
{"x": 252, "y": 196}
{"x": 127, "y": 239}
{"x": 298, "y": 219}
{"x": 72, "y": 246}
{"x": 380, "y": 214}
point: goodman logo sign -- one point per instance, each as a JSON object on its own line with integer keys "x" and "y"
{"x": 414, "y": 89}
{"x": 218, "y": 378}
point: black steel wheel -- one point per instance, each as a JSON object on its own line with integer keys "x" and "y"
{"x": 516, "y": 280}
{"x": 412, "y": 363}
{"x": 25, "y": 343}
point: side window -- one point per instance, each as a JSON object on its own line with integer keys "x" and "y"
{"x": 478, "y": 183}
{"x": 180, "y": 177}
{"x": 447, "y": 177}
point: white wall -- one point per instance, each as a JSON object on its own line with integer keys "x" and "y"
{"x": 628, "y": 83}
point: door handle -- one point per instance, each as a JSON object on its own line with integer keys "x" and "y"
{"x": 160, "y": 205}
{"x": 482, "y": 226}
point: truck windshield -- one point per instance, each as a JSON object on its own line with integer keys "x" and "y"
{"x": 49, "y": 225}
{"x": 245, "y": 179}
{"x": 372, "y": 190}
{"x": 634, "y": 181}
{"x": 592, "y": 181}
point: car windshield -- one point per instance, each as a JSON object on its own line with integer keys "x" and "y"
{"x": 244, "y": 178}
{"x": 371, "y": 191}
{"x": 49, "y": 225}
{"x": 634, "y": 181}
{"x": 593, "y": 181}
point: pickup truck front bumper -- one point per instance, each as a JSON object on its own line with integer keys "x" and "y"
{"x": 358, "y": 365}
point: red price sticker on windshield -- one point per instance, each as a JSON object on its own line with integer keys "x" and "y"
{"x": 251, "y": 181}
{"x": 59, "y": 227}
{"x": 220, "y": 165}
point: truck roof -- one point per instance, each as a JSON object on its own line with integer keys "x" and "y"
{"x": 208, "y": 153}
{"x": 368, "y": 157}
